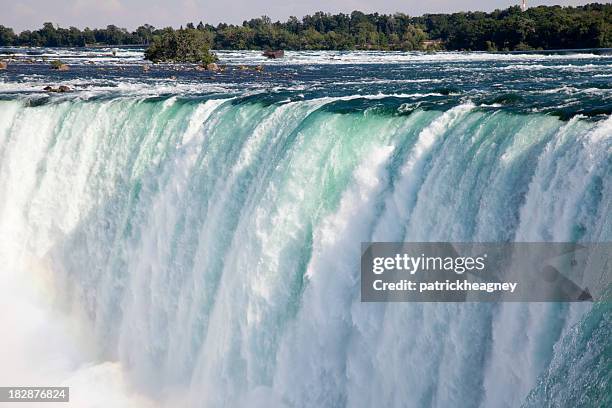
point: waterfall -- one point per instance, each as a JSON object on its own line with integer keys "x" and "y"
{"x": 207, "y": 251}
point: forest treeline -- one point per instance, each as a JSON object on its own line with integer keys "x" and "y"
{"x": 543, "y": 27}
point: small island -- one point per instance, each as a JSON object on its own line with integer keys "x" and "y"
{"x": 183, "y": 45}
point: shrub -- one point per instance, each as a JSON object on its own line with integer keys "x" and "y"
{"x": 184, "y": 45}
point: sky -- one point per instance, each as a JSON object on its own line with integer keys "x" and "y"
{"x": 31, "y": 14}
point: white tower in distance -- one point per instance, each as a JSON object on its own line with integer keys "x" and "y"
{"x": 523, "y": 5}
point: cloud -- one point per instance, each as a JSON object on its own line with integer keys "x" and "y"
{"x": 93, "y": 6}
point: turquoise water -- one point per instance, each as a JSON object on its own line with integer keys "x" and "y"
{"x": 203, "y": 235}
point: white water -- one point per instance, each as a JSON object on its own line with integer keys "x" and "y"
{"x": 206, "y": 253}
{"x": 131, "y": 55}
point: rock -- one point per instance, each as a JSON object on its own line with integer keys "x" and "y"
{"x": 59, "y": 89}
{"x": 274, "y": 53}
{"x": 60, "y": 67}
{"x": 200, "y": 68}
{"x": 212, "y": 67}
{"x": 259, "y": 68}
{"x": 3, "y": 64}
{"x": 146, "y": 68}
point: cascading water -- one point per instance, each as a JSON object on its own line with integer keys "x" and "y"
{"x": 209, "y": 247}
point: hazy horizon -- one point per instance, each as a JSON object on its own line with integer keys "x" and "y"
{"x": 31, "y": 14}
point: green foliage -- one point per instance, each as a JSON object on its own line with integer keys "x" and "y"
{"x": 7, "y": 36}
{"x": 184, "y": 45}
{"x": 540, "y": 27}
{"x": 543, "y": 27}
{"x": 412, "y": 38}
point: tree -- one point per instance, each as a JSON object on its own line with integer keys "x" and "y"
{"x": 7, "y": 36}
{"x": 542, "y": 27}
{"x": 185, "y": 45}
{"x": 413, "y": 38}
{"x": 144, "y": 33}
